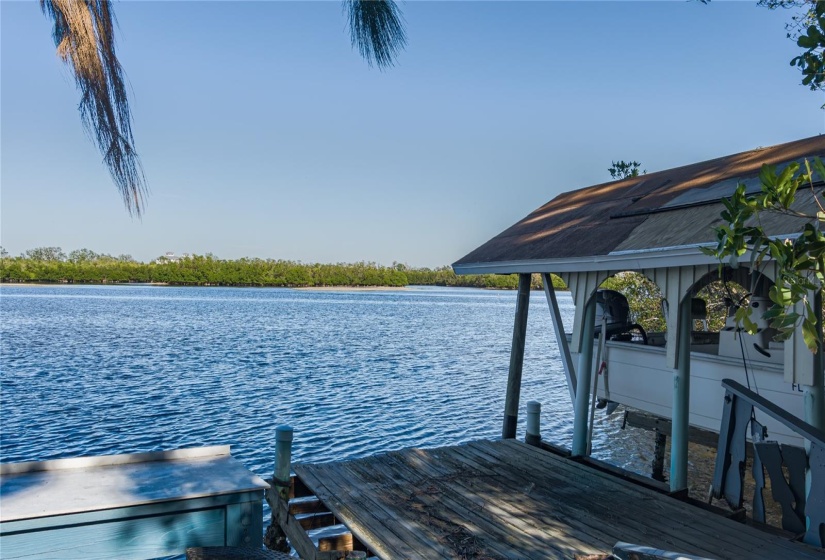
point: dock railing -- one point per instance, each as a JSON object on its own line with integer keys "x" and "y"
{"x": 797, "y": 477}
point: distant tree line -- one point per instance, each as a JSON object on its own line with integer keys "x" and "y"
{"x": 83, "y": 266}
{"x": 444, "y": 276}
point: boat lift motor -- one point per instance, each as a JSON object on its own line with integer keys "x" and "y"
{"x": 612, "y": 307}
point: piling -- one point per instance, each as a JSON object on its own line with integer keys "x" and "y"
{"x": 283, "y": 460}
{"x": 533, "y": 436}
{"x": 275, "y": 538}
{"x": 508, "y": 430}
{"x": 658, "y": 465}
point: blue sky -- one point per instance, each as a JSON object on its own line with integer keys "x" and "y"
{"x": 263, "y": 134}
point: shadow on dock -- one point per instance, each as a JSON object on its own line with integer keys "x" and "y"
{"x": 506, "y": 499}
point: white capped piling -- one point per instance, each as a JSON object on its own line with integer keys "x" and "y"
{"x": 283, "y": 460}
{"x": 533, "y": 436}
{"x": 278, "y": 497}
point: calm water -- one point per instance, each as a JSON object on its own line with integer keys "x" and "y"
{"x": 90, "y": 370}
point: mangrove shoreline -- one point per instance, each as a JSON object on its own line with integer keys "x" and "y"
{"x": 49, "y": 265}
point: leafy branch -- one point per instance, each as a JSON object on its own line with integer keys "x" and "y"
{"x": 812, "y": 39}
{"x": 800, "y": 261}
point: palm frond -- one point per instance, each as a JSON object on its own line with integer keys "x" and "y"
{"x": 84, "y": 36}
{"x": 377, "y": 30}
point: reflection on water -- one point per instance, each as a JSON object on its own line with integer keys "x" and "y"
{"x": 120, "y": 369}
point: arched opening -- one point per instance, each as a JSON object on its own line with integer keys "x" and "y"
{"x": 644, "y": 299}
{"x": 719, "y": 298}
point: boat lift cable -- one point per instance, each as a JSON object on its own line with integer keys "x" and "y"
{"x": 742, "y": 344}
{"x": 747, "y": 376}
{"x": 741, "y": 340}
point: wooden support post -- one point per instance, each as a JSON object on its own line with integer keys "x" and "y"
{"x": 275, "y": 538}
{"x": 681, "y": 399}
{"x": 533, "y": 436}
{"x": 657, "y": 468}
{"x": 561, "y": 338}
{"x": 508, "y": 430}
{"x": 585, "y": 375}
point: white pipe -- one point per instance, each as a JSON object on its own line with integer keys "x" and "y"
{"x": 533, "y": 423}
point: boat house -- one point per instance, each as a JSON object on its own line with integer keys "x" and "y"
{"x": 656, "y": 224}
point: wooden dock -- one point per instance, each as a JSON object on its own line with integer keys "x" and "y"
{"x": 506, "y": 499}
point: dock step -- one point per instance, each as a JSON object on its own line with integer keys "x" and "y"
{"x": 307, "y": 504}
{"x": 316, "y": 520}
{"x": 334, "y": 537}
{"x": 312, "y": 530}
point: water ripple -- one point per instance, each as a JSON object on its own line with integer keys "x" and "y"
{"x": 121, "y": 369}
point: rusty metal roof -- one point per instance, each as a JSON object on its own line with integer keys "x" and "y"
{"x": 674, "y": 208}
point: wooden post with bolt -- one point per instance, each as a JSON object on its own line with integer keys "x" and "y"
{"x": 275, "y": 538}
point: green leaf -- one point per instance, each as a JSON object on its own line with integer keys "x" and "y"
{"x": 819, "y": 168}
{"x": 809, "y": 336}
{"x": 806, "y": 42}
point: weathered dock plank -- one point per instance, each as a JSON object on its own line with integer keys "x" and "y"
{"x": 505, "y": 499}
{"x": 449, "y": 506}
{"x": 364, "y": 519}
{"x": 632, "y": 497}
{"x": 701, "y": 524}
{"x": 483, "y": 493}
{"x": 583, "y": 514}
{"x": 618, "y": 515}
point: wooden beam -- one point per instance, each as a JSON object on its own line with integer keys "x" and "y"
{"x": 316, "y": 520}
{"x": 661, "y": 425}
{"x": 624, "y": 474}
{"x": 508, "y": 429}
{"x": 297, "y": 488}
{"x": 298, "y": 538}
{"x": 555, "y": 449}
{"x": 340, "y": 542}
{"x": 309, "y": 504}
{"x": 561, "y": 338}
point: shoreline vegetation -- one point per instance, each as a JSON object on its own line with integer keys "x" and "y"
{"x": 50, "y": 265}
